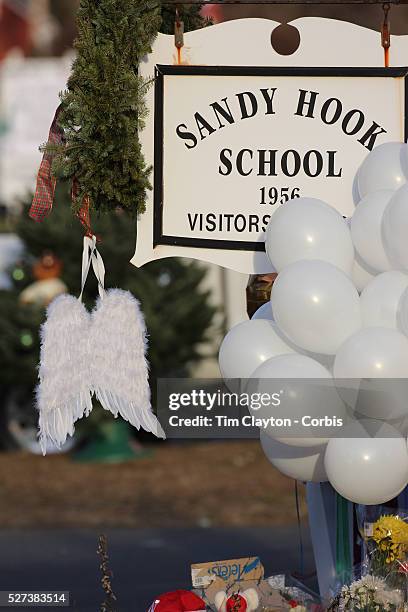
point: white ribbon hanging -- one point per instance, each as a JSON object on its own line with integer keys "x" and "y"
{"x": 91, "y": 255}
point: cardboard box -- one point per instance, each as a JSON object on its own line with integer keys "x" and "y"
{"x": 231, "y": 570}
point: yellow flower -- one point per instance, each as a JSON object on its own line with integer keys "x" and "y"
{"x": 390, "y": 533}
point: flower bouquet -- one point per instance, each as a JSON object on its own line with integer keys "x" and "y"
{"x": 369, "y": 594}
{"x": 388, "y": 550}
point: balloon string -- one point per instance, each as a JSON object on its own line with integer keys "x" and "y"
{"x": 299, "y": 522}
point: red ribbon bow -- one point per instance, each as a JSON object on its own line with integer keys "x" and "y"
{"x": 45, "y": 190}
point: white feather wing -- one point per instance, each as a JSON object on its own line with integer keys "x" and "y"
{"x": 119, "y": 367}
{"x": 63, "y": 393}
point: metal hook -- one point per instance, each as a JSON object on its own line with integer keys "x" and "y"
{"x": 386, "y": 34}
{"x": 178, "y": 30}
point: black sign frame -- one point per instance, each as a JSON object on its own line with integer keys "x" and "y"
{"x": 159, "y": 238}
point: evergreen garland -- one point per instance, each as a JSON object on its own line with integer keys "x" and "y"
{"x": 103, "y": 107}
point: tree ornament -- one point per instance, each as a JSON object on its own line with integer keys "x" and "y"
{"x": 48, "y": 266}
{"x": 101, "y": 354}
{"x": 47, "y": 285}
{"x": 41, "y": 293}
{"x": 247, "y": 601}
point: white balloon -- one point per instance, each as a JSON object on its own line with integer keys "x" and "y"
{"x": 305, "y": 464}
{"x": 264, "y": 312}
{"x": 316, "y": 399}
{"x": 316, "y": 305}
{"x": 383, "y": 168}
{"x": 374, "y": 354}
{"x": 367, "y": 470}
{"x": 361, "y": 274}
{"x": 395, "y": 229}
{"x": 306, "y": 228}
{"x": 247, "y": 345}
{"x": 366, "y": 230}
{"x": 381, "y": 298}
{"x": 402, "y": 314}
{"x": 291, "y": 366}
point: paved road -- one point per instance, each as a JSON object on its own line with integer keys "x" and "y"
{"x": 145, "y": 562}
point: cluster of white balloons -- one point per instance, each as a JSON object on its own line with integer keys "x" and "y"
{"x": 338, "y": 310}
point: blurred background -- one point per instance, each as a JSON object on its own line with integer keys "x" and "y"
{"x": 163, "y": 505}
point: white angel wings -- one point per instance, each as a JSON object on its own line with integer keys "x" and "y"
{"x": 101, "y": 354}
{"x": 120, "y": 382}
{"x": 63, "y": 395}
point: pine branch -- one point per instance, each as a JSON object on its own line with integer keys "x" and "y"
{"x": 104, "y": 106}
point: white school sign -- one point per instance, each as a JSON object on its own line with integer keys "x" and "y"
{"x": 231, "y": 143}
